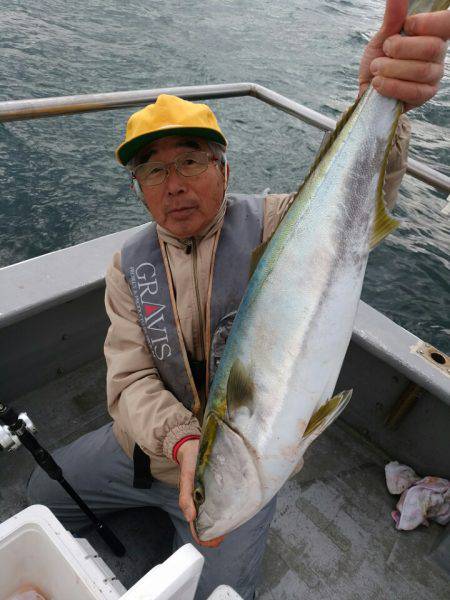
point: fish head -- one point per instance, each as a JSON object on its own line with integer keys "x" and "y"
{"x": 227, "y": 488}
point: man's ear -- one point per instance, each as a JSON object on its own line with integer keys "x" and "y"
{"x": 140, "y": 194}
{"x": 137, "y": 189}
{"x": 227, "y": 174}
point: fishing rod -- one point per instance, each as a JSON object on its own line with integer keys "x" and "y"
{"x": 19, "y": 429}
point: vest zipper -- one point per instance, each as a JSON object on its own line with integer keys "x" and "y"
{"x": 197, "y": 293}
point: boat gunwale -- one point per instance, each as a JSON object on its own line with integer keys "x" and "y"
{"x": 38, "y": 108}
{"x": 42, "y": 283}
{"x": 26, "y": 284}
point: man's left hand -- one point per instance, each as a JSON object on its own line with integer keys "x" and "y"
{"x": 408, "y": 68}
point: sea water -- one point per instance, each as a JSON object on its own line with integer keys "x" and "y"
{"x": 61, "y": 185}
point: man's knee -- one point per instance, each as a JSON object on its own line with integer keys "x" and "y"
{"x": 39, "y": 487}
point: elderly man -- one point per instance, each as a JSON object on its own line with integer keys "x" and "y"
{"x": 171, "y": 287}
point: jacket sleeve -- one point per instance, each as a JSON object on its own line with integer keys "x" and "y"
{"x": 277, "y": 205}
{"x": 137, "y": 398}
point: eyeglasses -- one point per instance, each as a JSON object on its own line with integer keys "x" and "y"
{"x": 188, "y": 164}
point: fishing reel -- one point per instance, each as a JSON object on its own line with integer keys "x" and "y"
{"x": 14, "y": 426}
{"x": 18, "y": 429}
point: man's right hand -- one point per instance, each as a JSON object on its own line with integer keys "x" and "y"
{"x": 187, "y": 459}
{"x": 408, "y": 68}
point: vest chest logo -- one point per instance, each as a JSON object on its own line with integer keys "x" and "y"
{"x": 144, "y": 285}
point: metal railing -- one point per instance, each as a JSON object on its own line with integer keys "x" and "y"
{"x": 21, "y": 110}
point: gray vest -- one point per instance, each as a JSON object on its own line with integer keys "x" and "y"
{"x": 143, "y": 267}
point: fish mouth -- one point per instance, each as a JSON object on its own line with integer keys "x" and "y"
{"x": 198, "y": 496}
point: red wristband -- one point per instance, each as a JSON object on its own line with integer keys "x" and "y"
{"x": 180, "y": 443}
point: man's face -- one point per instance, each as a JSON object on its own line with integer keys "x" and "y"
{"x": 183, "y": 205}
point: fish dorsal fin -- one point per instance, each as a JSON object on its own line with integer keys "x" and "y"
{"x": 256, "y": 256}
{"x": 240, "y": 387}
{"x": 326, "y": 414}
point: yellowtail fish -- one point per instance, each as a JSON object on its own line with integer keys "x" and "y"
{"x": 272, "y": 394}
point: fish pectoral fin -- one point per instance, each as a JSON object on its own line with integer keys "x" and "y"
{"x": 326, "y": 414}
{"x": 240, "y": 387}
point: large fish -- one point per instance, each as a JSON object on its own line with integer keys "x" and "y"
{"x": 272, "y": 393}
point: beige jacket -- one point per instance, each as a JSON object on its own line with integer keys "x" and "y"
{"x": 143, "y": 410}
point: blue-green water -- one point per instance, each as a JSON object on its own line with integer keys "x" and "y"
{"x": 61, "y": 186}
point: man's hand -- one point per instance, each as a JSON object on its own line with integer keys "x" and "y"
{"x": 408, "y": 68}
{"x": 187, "y": 458}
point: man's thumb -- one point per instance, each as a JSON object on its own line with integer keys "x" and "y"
{"x": 394, "y": 16}
{"x": 185, "y": 500}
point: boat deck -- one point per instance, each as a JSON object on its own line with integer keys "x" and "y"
{"x": 332, "y": 537}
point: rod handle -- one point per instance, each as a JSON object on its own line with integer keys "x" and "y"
{"x": 110, "y": 538}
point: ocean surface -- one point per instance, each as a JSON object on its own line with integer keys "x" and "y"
{"x": 61, "y": 185}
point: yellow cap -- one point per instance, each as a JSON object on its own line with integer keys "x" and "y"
{"x": 169, "y": 115}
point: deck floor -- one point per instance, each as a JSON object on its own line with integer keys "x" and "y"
{"x": 332, "y": 537}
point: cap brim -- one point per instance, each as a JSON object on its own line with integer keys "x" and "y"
{"x": 127, "y": 150}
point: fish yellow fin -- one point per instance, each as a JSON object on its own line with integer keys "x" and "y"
{"x": 327, "y": 413}
{"x": 384, "y": 223}
{"x": 240, "y": 387}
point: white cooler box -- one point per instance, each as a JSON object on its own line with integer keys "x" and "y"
{"x": 36, "y": 550}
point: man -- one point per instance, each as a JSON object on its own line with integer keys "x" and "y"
{"x": 172, "y": 287}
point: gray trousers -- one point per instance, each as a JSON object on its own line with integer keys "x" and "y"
{"x": 102, "y": 474}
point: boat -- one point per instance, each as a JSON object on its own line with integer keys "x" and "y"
{"x": 333, "y": 535}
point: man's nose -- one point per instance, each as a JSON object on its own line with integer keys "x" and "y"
{"x": 175, "y": 182}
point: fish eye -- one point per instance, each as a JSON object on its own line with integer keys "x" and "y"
{"x": 199, "y": 496}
